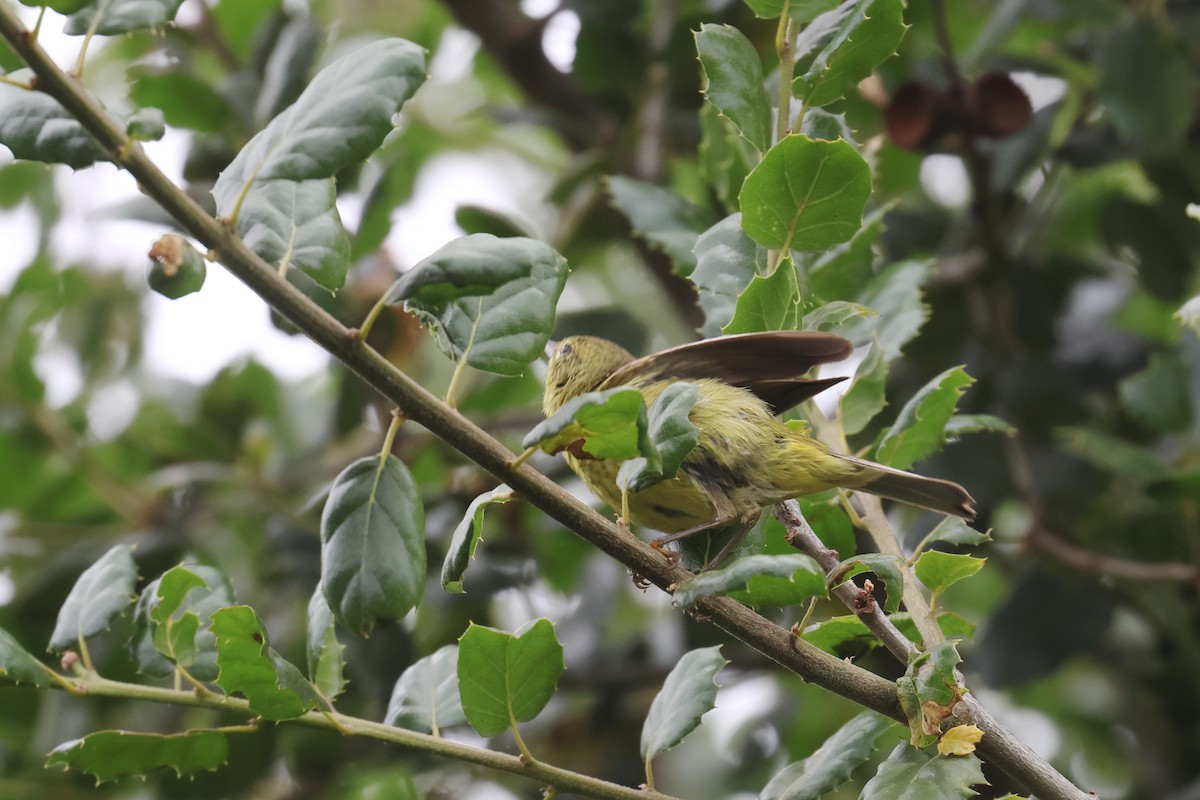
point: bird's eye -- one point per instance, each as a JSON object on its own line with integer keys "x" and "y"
{"x": 563, "y": 349}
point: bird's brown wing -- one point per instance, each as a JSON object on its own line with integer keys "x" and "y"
{"x": 771, "y": 364}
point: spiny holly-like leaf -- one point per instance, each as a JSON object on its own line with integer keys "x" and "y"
{"x": 18, "y": 666}
{"x": 833, "y": 315}
{"x": 735, "y": 81}
{"x": 505, "y": 678}
{"x": 821, "y": 124}
{"x": 938, "y": 570}
{"x": 688, "y": 693}
{"x": 841, "y": 272}
{"x": 928, "y": 692}
{"x": 665, "y": 219}
{"x": 296, "y": 224}
{"x": 109, "y": 755}
{"x": 672, "y": 435}
{"x": 836, "y": 634}
{"x": 373, "y": 543}
{"x": 770, "y": 303}
{"x": 326, "y": 659}
{"x": 467, "y": 537}
{"x": 912, "y": 774}
{"x": 889, "y": 569}
{"x": 341, "y": 117}
{"x": 172, "y": 614}
{"x": 830, "y": 766}
{"x": 727, "y": 259}
{"x": 920, "y": 428}
{"x": 805, "y": 194}
{"x": 759, "y": 580}
{"x": 953, "y": 530}
{"x": 726, "y": 158}
{"x": 959, "y": 740}
{"x": 276, "y": 689}
{"x": 146, "y": 125}
{"x": 491, "y": 301}
{"x": 865, "y": 397}
{"x": 611, "y": 424}
{"x": 895, "y": 296}
{"x": 963, "y": 424}
{"x": 102, "y": 592}
{"x": 425, "y": 697}
{"x": 35, "y": 127}
{"x": 863, "y": 39}
{"x": 122, "y": 16}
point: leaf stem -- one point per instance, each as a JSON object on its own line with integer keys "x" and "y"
{"x": 365, "y": 328}
{"x": 389, "y": 438}
{"x": 785, "y": 47}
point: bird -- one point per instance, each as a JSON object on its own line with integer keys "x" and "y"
{"x": 745, "y": 458}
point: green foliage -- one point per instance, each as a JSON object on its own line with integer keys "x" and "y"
{"x": 171, "y": 619}
{"x": 326, "y": 655}
{"x": 611, "y": 424}
{"x": 929, "y": 691}
{"x": 506, "y": 678}
{"x": 671, "y": 435}
{"x": 920, "y": 428}
{"x": 727, "y": 260}
{"x": 859, "y": 38}
{"x": 17, "y": 665}
{"x": 491, "y": 301}
{"x": 276, "y": 689}
{"x": 467, "y": 536}
{"x": 103, "y": 591}
{"x": 372, "y": 543}
{"x": 770, "y": 303}
{"x": 735, "y": 82}
{"x": 912, "y": 774}
{"x": 109, "y": 755}
{"x": 830, "y": 766}
{"x": 888, "y": 568}
{"x": 688, "y": 693}
{"x": 758, "y": 581}
{"x": 849, "y": 634}
{"x": 121, "y": 16}
{"x": 35, "y": 127}
{"x": 666, "y": 220}
{"x": 425, "y": 697}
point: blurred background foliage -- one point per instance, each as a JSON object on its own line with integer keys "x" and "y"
{"x": 1060, "y": 257}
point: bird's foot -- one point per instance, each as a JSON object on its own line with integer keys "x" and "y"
{"x": 661, "y": 546}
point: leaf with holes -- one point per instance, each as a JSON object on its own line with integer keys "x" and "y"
{"x": 102, "y": 592}
{"x": 372, "y": 543}
{"x": 171, "y": 622}
{"x": 506, "y": 678}
{"x": 889, "y": 569}
{"x": 490, "y": 301}
{"x": 805, "y": 194}
{"x": 929, "y": 690}
{"x": 275, "y": 688}
{"x": 425, "y": 697}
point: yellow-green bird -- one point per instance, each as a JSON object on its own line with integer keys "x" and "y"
{"x": 744, "y": 458}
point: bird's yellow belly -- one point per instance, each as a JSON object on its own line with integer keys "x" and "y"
{"x": 669, "y": 506}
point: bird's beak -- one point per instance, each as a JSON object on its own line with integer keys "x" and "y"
{"x": 551, "y": 346}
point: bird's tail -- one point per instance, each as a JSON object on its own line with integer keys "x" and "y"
{"x": 945, "y": 497}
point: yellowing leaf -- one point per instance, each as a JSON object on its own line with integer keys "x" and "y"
{"x": 959, "y": 740}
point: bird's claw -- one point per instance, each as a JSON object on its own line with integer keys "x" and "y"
{"x": 671, "y": 557}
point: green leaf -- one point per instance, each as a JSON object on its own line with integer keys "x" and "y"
{"x": 145, "y": 125}
{"x": 185, "y": 100}
{"x": 862, "y": 40}
{"x": 735, "y": 84}
{"x": 938, "y": 570}
{"x": 836, "y": 634}
{"x": 963, "y": 424}
{"x": 671, "y": 434}
{"x": 757, "y": 581}
{"x": 61, "y": 6}
{"x": 467, "y": 537}
{"x": 805, "y": 194}
{"x": 920, "y": 428}
{"x": 725, "y": 157}
{"x": 18, "y": 666}
{"x": 801, "y": 11}
{"x": 821, "y": 124}
{"x": 611, "y": 423}
{"x": 326, "y": 658}
{"x": 665, "y": 219}
{"x": 954, "y": 530}
{"x": 865, "y": 397}
{"x": 841, "y": 272}
{"x": 895, "y": 295}
{"x": 770, "y": 303}
{"x": 889, "y": 569}
{"x": 1112, "y": 454}
{"x": 122, "y": 16}
{"x": 176, "y": 268}
{"x": 727, "y": 259}
{"x": 109, "y": 755}
{"x": 169, "y": 610}
{"x": 296, "y": 224}
{"x": 275, "y": 688}
{"x": 833, "y": 315}
{"x": 372, "y": 543}
{"x": 341, "y": 117}
{"x": 102, "y": 592}
{"x": 688, "y": 693}
{"x": 1147, "y": 84}
{"x": 929, "y": 690}
{"x": 1159, "y": 396}
{"x": 36, "y": 128}
{"x": 491, "y": 301}
{"x": 425, "y": 697}
{"x": 506, "y": 678}
{"x": 832, "y": 763}
{"x": 912, "y": 774}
